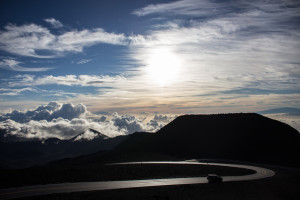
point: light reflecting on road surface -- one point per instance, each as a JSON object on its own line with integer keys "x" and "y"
{"x": 109, "y": 185}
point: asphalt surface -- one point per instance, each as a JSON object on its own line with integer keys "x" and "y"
{"x": 37, "y": 190}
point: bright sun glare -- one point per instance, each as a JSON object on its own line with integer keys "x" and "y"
{"x": 163, "y": 66}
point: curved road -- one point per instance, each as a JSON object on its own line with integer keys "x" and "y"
{"x": 36, "y": 190}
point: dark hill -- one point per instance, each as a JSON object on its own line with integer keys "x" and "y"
{"x": 245, "y": 137}
{"x": 21, "y": 154}
{"x": 81, "y": 136}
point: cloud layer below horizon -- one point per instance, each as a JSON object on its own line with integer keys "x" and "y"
{"x": 65, "y": 121}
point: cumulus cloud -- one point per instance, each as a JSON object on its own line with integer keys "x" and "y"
{"x": 65, "y": 121}
{"x": 55, "y": 23}
{"x": 59, "y": 128}
{"x": 49, "y": 112}
{"x": 128, "y": 123}
{"x": 37, "y": 41}
{"x": 14, "y": 65}
{"x": 160, "y": 121}
{"x": 163, "y": 118}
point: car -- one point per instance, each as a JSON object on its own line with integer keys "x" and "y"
{"x": 214, "y": 178}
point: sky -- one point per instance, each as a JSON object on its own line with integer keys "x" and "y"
{"x": 146, "y": 56}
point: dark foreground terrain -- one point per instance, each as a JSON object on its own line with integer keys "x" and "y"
{"x": 249, "y": 138}
{"x": 101, "y": 172}
{"x": 284, "y": 185}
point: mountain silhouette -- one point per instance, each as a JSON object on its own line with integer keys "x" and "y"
{"x": 246, "y": 137}
{"x": 89, "y": 134}
{"x": 21, "y": 154}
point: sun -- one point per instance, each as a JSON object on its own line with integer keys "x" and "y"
{"x": 163, "y": 66}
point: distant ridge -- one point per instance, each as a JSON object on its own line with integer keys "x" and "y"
{"x": 246, "y": 137}
{"x": 88, "y": 134}
{"x": 286, "y": 110}
{"x": 21, "y": 154}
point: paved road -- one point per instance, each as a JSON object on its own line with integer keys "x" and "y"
{"x": 12, "y": 193}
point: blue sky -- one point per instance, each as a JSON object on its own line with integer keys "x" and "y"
{"x": 150, "y": 56}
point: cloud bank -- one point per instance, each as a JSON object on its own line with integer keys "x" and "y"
{"x": 65, "y": 120}
{"x": 49, "y": 112}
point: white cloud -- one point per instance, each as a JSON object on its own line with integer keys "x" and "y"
{"x": 83, "y": 61}
{"x": 25, "y": 40}
{"x": 69, "y": 80}
{"x": 11, "y": 64}
{"x": 14, "y": 92}
{"x": 60, "y": 128}
{"x": 182, "y": 7}
{"x": 208, "y": 8}
{"x": 245, "y": 45}
{"x": 130, "y": 124}
{"x": 49, "y": 112}
{"x": 37, "y": 41}
{"x": 65, "y": 121}
{"x": 229, "y": 57}
{"x": 55, "y": 23}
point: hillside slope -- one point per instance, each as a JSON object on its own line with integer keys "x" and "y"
{"x": 21, "y": 154}
{"x": 246, "y": 137}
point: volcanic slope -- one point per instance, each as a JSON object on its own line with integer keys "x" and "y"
{"x": 244, "y": 136}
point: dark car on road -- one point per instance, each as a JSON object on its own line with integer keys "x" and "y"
{"x": 214, "y": 178}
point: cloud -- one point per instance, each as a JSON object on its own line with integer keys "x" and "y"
{"x": 217, "y": 9}
{"x": 11, "y": 64}
{"x": 69, "y": 80}
{"x": 227, "y": 50}
{"x": 25, "y": 40}
{"x": 182, "y": 7}
{"x": 128, "y": 123}
{"x": 37, "y": 41}
{"x": 159, "y": 121}
{"x": 14, "y": 92}
{"x": 55, "y": 23}
{"x": 83, "y": 61}
{"x": 60, "y": 128}
{"x": 163, "y": 118}
{"x": 65, "y": 120}
{"x": 223, "y": 46}
{"x": 49, "y": 112}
